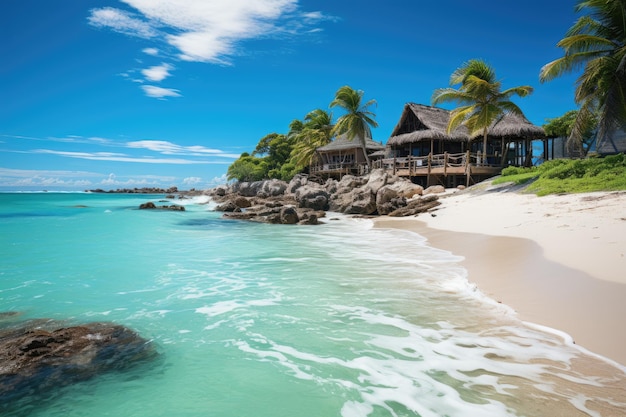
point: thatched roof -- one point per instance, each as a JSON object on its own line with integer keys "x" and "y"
{"x": 419, "y": 122}
{"x": 515, "y": 126}
{"x": 342, "y": 143}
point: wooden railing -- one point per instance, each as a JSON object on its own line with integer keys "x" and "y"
{"x": 344, "y": 168}
{"x": 421, "y": 164}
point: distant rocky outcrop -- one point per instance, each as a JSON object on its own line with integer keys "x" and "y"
{"x": 41, "y": 355}
{"x": 144, "y": 190}
{"x": 151, "y": 206}
{"x": 304, "y": 202}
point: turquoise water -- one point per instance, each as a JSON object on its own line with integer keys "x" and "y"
{"x": 259, "y": 320}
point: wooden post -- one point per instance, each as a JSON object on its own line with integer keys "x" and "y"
{"x": 430, "y": 156}
{"x": 445, "y": 164}
{"x": 468, "y": 168}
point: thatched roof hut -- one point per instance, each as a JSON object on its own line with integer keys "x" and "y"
{"x": 419, "y": 122}
{"x": 342, "y": 143}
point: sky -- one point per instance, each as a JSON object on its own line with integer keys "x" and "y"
{"x": 157, "y": 93}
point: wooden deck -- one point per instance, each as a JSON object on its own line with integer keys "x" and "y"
{"x": 436, "y": 168}
{"x": 432, "y": 169}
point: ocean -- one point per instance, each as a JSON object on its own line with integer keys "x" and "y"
{"x": 340, "y": 319}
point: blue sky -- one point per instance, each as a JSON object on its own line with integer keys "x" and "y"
{"x": 141, "y": 93}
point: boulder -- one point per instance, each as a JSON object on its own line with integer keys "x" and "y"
{"x": 416, "y": 206}
{"x": 241, "y": 202}
{"x": 377, "y": 179}
{"x": 434, "y": 189}
{"x": 248, "y": 189}
{"x": 288, "y": 215}
{"x": 389, "y": 199}
{"x": 296, "y": 182}
{"x": 312, "y": 196}
{"x": 151, "y": 206}
{"x": 39, "y": 356}
{"x": 358, "y": 201}
{"x": 272, "y": 188}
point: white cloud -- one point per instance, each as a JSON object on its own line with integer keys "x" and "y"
{"x": 151, "y": 51}
{"x": 223, "y": 179}
{"x": 122, "y": 22}
{"x": 192, "y": 180}
{"x": 169, "y": 148}
{"x": 207, "y": 31}
{"x": 107, "y": 156}
{"x": 160, "y": 92}
{"x": 157, "y": 73}
{"x": 29, "y": 173}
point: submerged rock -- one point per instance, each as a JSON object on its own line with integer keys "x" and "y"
{"x": 38, "y": 356}
{"x": 151, "y": 206}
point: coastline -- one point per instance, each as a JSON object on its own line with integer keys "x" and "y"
{"x": 558, "y": 261}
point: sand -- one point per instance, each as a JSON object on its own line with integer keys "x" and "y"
{"x": 558, "y": 261}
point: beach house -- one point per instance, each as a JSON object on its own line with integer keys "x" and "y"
{"x": 344, "y": 156}
{"x": 421, "y": 149}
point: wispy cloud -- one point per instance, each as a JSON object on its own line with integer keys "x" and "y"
{"x": 24, "y": 178}
{"x": 207, "y": 31}
{"x": 151, "y": 51}
{"x": 160, "y": 92}
{"x": 169, "y": 148}
{"x": 122, "y": 22}
{"x": 157, "y": 73}
{"x": 114, "y": 157}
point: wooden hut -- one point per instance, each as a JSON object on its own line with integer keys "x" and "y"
{"x": 423, "y": 150}
{"x": 343, "y": 156}
{"x": 613, "y": 143}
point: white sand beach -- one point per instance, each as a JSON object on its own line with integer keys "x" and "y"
{"x": 558, "y": 261}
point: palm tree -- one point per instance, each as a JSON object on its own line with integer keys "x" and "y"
{"x": 358, "y": 119}
{"x": 310, "y": 135}
{"x": 480, "y": 98}
{"x": 597, "y": 42}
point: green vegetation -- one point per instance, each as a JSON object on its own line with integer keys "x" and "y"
{"x": 480, "y": 98}
{"x": 283, "y": 156}
{"x": 597, "y": 43}
{"x": 570, "y": 176}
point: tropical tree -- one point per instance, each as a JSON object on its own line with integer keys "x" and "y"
{"x": 357, "y": 120}
{"x": 562, "y": 127}
{"x": 597, "y": 43}
{"x": 313, "y": 133}
{"x": 480, "y": 99}
{"x": 247, "y": 168}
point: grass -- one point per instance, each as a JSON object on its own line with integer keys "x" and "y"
{"x": 570, "y": 175}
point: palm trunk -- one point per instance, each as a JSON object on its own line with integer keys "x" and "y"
{"x": 485, "y": 146}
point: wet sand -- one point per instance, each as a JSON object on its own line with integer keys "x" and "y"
{"x": 558, "y": 261}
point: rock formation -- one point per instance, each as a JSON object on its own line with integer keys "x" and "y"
{"x": 38, "y": 356}
{"x": 304, "y": 202}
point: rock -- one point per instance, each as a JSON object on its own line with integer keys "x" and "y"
{"x": 288, "y": 215}
{"x": 241, "y": 202}
{"x": 434, "y": 189}
{"x": 248, "y": 189}
{"x": 417, "y": 206}
{"x": 389, "y": 199}
{"x": 272, "y": 188}
{"x": 296, "y": 182}
{"x": 359, "y": 201}
{"x": 312, "y": 196}
{"x": 35, "y": 359}
{"x": 220, "y": 191}
{"x": 377, "y": 180}
{"x": 151, "y": 206}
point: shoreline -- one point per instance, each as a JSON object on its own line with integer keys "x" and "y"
{"x": 570, "y": 278}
